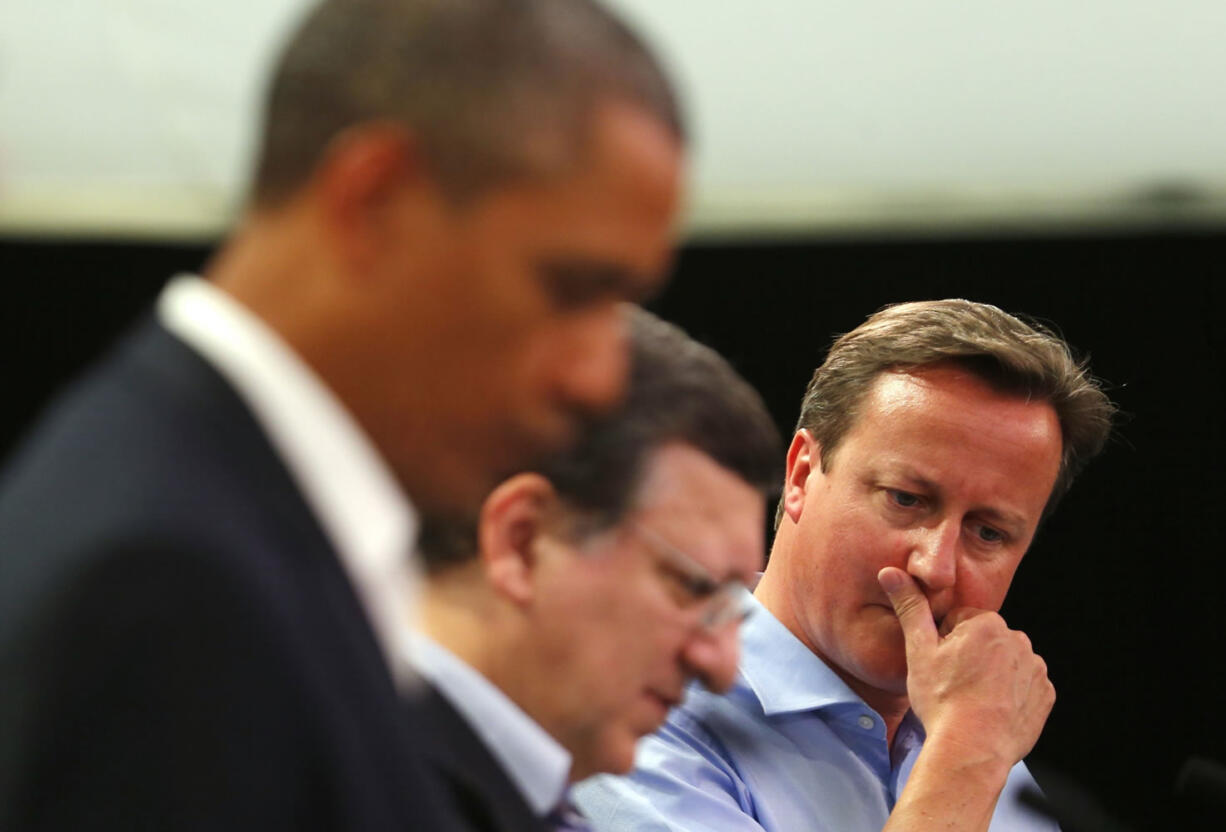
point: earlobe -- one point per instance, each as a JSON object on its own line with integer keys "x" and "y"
{"x": 804, "y": 459}
{"x": 509, "y": 529}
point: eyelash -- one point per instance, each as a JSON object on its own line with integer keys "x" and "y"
{"x": 1000, "y": 537}
{"x": 695, "y": 589}
{"x": 895, "y": 493}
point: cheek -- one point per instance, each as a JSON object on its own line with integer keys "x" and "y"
{"x": 531, "y": 363}
{"x": 984, "y": 585}
{"x": 855, "y": 549}
{"x": 623, "y": 617}
{"x": 616, "y": 742}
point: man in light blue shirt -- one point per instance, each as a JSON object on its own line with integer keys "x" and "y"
{"x": 879, "y": 688}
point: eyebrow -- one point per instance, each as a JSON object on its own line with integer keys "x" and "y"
{"x": 1003, "y": 518}
{"x": 577, "y": 279}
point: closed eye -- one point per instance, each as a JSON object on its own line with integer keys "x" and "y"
{"x": 696, "y": 587}
{"x": 575, "y": 284}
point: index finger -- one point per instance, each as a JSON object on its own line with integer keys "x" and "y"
{"x": 955, "y": 617}
{"x": 911, "y": 606}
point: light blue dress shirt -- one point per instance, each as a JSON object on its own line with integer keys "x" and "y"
{"x": 789, "y": 749}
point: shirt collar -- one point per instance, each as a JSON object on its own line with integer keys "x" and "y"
{"x": 534, "y": 760}
{"x": 784, "y": 674}
{"x": 361, "y": 507}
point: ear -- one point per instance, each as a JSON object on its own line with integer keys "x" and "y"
{"x": 359, "y": 181}
{"x": 509, "y": 529}
{"x": 804, "y": 461}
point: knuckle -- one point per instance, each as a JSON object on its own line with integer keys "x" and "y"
{"x": 991, "y": 622}
{"x": 906, "y": 607}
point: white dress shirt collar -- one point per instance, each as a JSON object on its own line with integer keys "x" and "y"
{"x": 531, "y": 758}
{"x": 358, "y": 502}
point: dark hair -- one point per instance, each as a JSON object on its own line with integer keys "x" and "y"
{"x": 1010, "y": 355}
{"x": 679, "y": 391}
{"x": 477, "y": 81}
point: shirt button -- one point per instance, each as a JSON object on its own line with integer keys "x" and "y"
{"x": 866, "y": 722}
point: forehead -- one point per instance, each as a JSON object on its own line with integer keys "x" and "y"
{"x": 617, "y": 198}
{"x": 703, "y": 508}
{"x": 947, "y": 423}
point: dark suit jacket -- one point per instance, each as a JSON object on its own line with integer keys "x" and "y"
{"x": 482, "y": 794}
{"x": 180, "y": 648}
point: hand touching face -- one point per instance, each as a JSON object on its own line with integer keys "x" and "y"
{"x": 940, "y": 476}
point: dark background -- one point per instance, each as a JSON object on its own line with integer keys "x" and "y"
{"x": 1122, "y": 591}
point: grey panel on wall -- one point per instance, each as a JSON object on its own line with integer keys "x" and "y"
{"x": 137, "y": 115}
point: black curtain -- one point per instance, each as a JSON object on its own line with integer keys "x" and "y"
{"x": 1121, "y": 591}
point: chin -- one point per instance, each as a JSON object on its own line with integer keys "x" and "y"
{"x": 456, "y": 490}
{"x": 895, "y": 685}
{"x": 889, "y": 681}
{"x": 882, "y": 673}
{"x": 618, "y": 759}
{"x": 581, "y": 770}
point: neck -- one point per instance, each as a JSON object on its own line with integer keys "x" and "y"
{"x": 890, "y": 706}
{"x": 458, "y": 613}
{"x": 461, "y": 612}
{"x": 265, "y": 266}
{"x": 285, "y": 267}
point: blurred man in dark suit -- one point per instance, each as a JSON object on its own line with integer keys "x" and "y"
{"x": 566, "y": 624}
{"x": 204, "y": 547}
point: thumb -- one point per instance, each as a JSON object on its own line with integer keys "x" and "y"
{"x": 911, "y": 607}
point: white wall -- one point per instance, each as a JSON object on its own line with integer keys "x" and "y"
{"x": 809, "y": 115}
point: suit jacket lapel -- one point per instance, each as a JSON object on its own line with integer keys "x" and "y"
{"x": 343, "y": 646}
{"x": 483, "y": 794}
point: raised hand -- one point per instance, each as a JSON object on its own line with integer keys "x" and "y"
{"x": 974, "y": 683}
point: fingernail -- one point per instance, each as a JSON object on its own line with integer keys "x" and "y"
{"x": 890, "y": 580}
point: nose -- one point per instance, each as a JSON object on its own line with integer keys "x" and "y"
{"x": 933, "y": 559}
{"x": 712, "y": 656}
{"x": 596, "y": 362}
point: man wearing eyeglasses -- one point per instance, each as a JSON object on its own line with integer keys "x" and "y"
{"x": 878, "y": 687}
{"x": 597, "y": 586}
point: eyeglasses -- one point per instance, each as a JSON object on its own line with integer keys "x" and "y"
{"x": 719, "y": 602}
